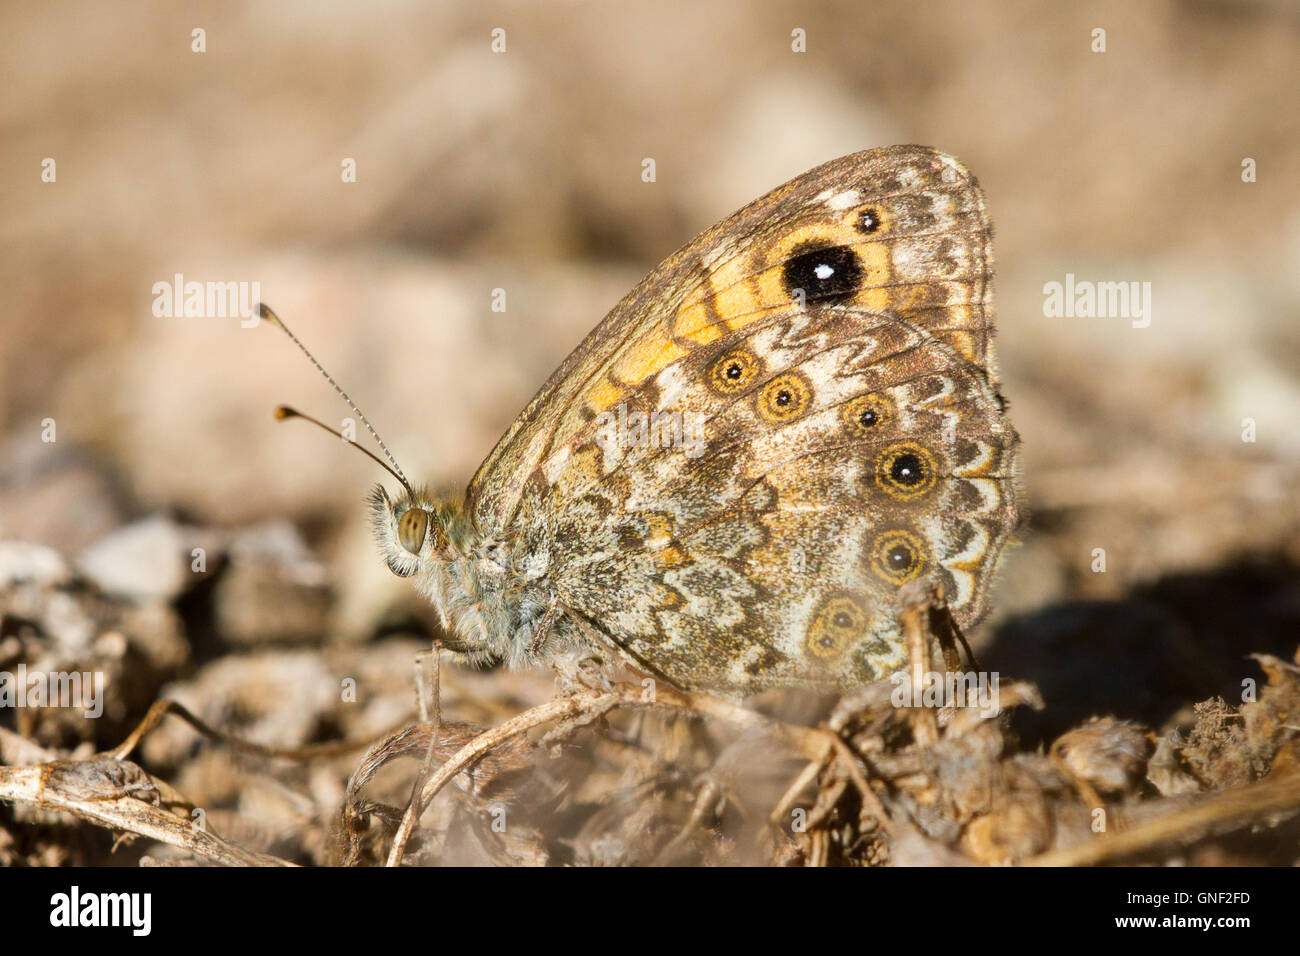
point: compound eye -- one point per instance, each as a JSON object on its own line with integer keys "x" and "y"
{"x": 411, "y": 528}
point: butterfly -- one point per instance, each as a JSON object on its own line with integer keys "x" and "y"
{"x": 726, "y": 484}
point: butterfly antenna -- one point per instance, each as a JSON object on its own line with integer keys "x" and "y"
{"x": 284, "y": 412}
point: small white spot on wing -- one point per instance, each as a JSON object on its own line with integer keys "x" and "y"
{"x": 555, "y": 464}
{"x": 845, "y": 200}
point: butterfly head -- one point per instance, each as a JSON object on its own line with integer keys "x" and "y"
{"x": 413, "y": 531}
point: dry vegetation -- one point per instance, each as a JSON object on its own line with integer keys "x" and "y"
{"x": 616, "y": 773}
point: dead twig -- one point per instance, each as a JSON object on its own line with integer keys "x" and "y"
{"x": 161, "y": 708}
{"x": 586, "y": 703}
{"x": 1231, "y": 808}
{"x": 119, "y": 795}
{"x": 113, "y": 792}
{"x": 429, "y": 690}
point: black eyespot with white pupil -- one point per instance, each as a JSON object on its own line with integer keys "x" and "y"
{"x": 907, "y": 470}
{"x": 828, "y": 273}
{"x": 900, "y": 557}
{"x": 865, "y": 414}
{"x": 785, "y": 398}
{"x": 734, "y": 371}
{"x": 868, "y": 221}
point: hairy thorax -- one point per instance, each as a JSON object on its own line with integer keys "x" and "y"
{"x": 493, "y": 596}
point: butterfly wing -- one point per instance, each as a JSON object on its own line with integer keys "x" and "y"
{"x": 822, "y": 363}
{"x": 913, "y": 218}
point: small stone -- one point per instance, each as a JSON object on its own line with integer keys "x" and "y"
{"x": 35, "y": 563}
{"x": 144, "y": 561}
{"x": 274, "y": 591}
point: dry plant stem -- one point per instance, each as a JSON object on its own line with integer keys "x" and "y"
{"x": 925, "y": 727}
{"x": 871, "y": 805}
{"x": 161, "y": 708}
{"x": 54, "y": 785}
{"x": 126, "y": 813}
{"x": 1231, "y": 807}
{"x": 806, "y": 776}
{"x": 50, "y": 785}
{"x": 813, "y": 743}
{"x": 431, "y": 714}
{"x": 827, "y": 804}
{"x": 707, "y": 803}
{"x": 821, "y": 848}
{"x": 464, "y": 758}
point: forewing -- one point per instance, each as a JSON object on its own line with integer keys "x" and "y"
{"x": 910, "y": 236}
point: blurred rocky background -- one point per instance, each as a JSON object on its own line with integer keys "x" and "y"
{"x": 175, "y": 536}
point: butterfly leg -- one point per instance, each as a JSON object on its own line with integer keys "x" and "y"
{"x": 544, "y": 628}
{"x": 919, "y": 601}
{"x": 576, "y": 667}
{"x": 928, "y": 626}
